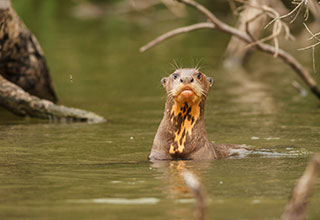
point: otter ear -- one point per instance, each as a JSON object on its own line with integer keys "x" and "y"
{"x": 164, "y": 81}
{"x": 211, "y": 81}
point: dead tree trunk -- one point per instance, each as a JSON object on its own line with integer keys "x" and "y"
{"x": 25, "y": 83}
{"x": 21, "y": 58}
{"x": 237, "y": 51}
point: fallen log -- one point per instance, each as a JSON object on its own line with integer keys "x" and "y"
{"x": 18, "y": 101}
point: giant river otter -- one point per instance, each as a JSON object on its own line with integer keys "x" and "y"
{"x": 182, "y": 133}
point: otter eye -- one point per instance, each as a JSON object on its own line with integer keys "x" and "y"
{"x": 175, "y": 75}
{"x": 199, "y": 75}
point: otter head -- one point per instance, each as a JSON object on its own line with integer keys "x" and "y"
{"x": 187, "y": 90}
{"x": 187, "y": 85}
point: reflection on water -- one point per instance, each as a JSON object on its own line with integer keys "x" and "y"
{"x": 119, "y": 201}
{"x": 252, "y": 93}
{"x": 171, "y": 172}
{"x": 171, "y": 175}
{"x": 270, "y": 153}
{"x": 100, "y": 171}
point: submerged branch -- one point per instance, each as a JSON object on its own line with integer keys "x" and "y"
{"x": 15, "y": 99}
{"x": 296, "y": 207}
{"x": 195, "y": 185}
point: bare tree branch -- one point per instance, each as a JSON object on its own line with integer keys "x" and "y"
{"x": 286, "y": 57}
{"x": 296, "y": 207}
{"x": 176, "y": 32}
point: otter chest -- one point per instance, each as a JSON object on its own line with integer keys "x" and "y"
{"x": 183, "y": 117}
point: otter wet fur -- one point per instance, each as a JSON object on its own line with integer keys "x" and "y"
{"x": 182, "y": 133}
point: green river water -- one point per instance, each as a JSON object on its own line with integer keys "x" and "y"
{"x": 100, "y": 171}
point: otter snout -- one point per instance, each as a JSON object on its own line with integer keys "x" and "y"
{"x": 187, "y": 80}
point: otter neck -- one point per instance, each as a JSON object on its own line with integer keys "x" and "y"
{"x": 182, "y": 118}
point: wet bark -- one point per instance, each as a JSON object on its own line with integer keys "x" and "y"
{"x": 21, "y": 58}
{"x": 18, "y": 101}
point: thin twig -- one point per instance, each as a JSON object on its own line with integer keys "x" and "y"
{"x": 309, "y": 47}
{"x": 298, "y": 7}
{"x": 312, "y": 47}
{"x": 313, "y": 36}
{"x": 313, "y": 61}
{"x": 177, "y": 32}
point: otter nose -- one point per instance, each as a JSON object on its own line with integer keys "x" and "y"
{"x": 187, "y": 80}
